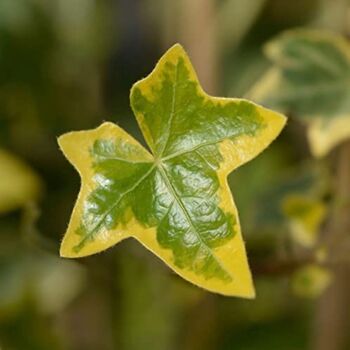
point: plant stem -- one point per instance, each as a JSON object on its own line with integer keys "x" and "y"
{"x": 332, "y": 314}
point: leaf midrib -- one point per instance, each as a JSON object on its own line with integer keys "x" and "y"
{"x": 162, "y": 171}
{"x": 177, "y": 198}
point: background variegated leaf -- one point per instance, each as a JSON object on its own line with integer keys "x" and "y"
{"x": 305, "y": 215}
{"x": 174, "y": 199}
{"x": 311, "y": 280}
{"x": 310, "y": 79}
{"x": 18, "y": 185}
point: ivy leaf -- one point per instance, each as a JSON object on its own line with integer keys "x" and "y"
{"x": 174, "y": 199}
{"x": 310, "y": 79}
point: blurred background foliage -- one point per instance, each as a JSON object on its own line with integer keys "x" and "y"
{"x": 68, "y": 65}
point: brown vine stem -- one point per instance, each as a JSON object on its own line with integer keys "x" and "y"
{"x": 198, "y": 34}
{"x": 333, "y": 309}
{"x": 277, "y": 268}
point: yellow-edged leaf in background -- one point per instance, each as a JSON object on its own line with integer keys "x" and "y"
{"x": 310, "y": 80}
{"x": 18, "y": 182}
{"x": 311, "y": 280}
{"x": 174, "y": 197}
{"x": 305, "y": 215}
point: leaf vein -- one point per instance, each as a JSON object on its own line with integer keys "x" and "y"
{"x": 177, "y": 198}
{"x": 90, "y": 234}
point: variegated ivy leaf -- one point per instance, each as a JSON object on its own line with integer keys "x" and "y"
{"x": 174, "y": 197}
{"x": 310, "y": 79}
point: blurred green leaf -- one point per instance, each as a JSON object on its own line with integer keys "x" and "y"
{"x": 308, "y": 179}
{"x": 305, "y": 215}
{"x": 311, "y": 280}
{"x": 310, "y": 80}
{"x": 51, "y": 282}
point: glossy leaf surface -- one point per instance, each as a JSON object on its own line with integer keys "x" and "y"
{"x": 310, "y": 79}
{"x": 174, "y": 199}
